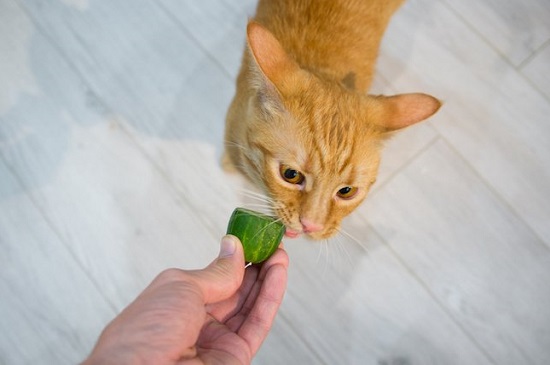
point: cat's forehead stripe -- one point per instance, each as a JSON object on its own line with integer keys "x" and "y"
{"x": 340, "y": 141}
{"x": 327, "y": 147}
{"x": 317, "y": 149}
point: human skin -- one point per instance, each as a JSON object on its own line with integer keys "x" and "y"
{"x": 218, "y": 315}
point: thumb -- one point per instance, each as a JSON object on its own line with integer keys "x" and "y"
{"x": 223, "y": 277}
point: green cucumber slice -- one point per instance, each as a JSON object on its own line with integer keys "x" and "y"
{"x": 260, "y": 234}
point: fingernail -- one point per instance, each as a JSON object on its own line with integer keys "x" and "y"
{"x": 227, "y": 247}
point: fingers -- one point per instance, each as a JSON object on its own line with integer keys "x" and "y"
{"x": 258, "y": 321}
{"x": 234, "y": 310}
{"x": 224, "y": 275}
{"x": 280, "y": 257}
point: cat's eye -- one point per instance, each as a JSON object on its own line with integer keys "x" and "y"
{"x": 290, "y": 175}
{"x": 347, "y": 192}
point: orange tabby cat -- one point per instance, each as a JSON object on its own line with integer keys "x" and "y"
{"x": 301, "y": 125}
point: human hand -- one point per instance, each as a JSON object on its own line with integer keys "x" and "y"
{"x": 217, "y": 315}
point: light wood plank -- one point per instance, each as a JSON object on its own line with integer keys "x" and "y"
{"x": 491, "y": 115}
{"x": 96, "y": 187}
{"x": 218, "y": 26}
{"x": 364, "y": 307}
{"x": 538, "y": 70}
{"x": 124, "y": 223}
{"x": 481, "y": 262}
{"x": 51, "y": 312}
{"x": 199, "y": 92}
{"x": 285, "y": 345}
{"x": 515, "y": 28}
{"x": 135, "y": 58}
{"x": 15, "y": 32}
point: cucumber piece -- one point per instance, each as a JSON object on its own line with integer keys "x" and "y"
{"x": 260, "y": 234}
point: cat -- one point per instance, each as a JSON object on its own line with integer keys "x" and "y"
{"x": 301, "y": 125}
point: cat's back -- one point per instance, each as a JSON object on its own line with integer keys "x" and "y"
{"x": 333, "y": 37}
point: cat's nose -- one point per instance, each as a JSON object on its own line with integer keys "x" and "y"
{"x": 310, "y": 226}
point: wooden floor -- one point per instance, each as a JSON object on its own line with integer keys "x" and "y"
{"x": 111, "y": 127}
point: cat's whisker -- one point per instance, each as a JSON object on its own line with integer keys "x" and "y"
{"x": 234, "y": 144}
{"x": 263, "y": 201}
{"x": 352, "y": 238}
{"x": 262, "y": 208}
{"x": 258, "y": 196}
{"x": 255, "y": 193}
{"x": 341, "y": 245}
{"x": 265, "y": 207}
{"x": 324, "y": 248}
{"x": 241, "y": 167}
{"x": 319, "y": 253}
{"x": 258, "y": 205}
{"x": 337, "y": 252}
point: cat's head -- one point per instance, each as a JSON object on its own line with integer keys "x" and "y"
{"x": 313, "y": 145}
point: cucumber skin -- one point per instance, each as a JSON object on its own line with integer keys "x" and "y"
{"x": 260, "y": 234}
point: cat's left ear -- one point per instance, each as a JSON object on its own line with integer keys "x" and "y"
{"x": 400, "y": 111}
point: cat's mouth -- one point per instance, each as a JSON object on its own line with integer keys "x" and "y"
{"x": 290, "y": 233}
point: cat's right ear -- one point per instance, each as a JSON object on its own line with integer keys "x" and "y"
{"x": 275, "y": 70}
{"x": 269, "y": 55}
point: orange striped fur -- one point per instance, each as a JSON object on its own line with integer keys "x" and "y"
{"x": 301, "y": 125}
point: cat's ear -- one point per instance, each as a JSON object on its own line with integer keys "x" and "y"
{"x": 274, "y": 64}
{"x": 400, "y": 111}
